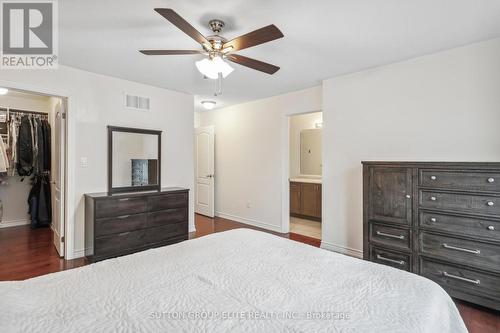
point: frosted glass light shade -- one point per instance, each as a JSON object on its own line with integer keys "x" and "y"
{"x": 212, "y": 67}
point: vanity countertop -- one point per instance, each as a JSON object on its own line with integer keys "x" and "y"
{"x": 306, "y": 180}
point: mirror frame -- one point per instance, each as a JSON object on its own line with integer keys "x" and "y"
{"x": 111, "y": 189}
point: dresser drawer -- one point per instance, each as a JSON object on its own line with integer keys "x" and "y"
{"x": 117, "y": 243}
{"x": 460, "y": 225}
{"x": 462, "y": 280}
{"x": 120, "y": 224}
{"x": 465, "y": 252}
{"x": 168, "y": 216}
{"x": 164, "y": 233}
{"x": 390, "y": 258}
{"x": 120, "y": 206}
{"x": 389, "y": 236}
{"x": 461, "y": 180}
{"x": 464, "y": 202}
{"x": 174, "y": 200}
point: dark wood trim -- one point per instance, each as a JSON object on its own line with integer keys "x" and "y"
{"x": 112, "y": 189}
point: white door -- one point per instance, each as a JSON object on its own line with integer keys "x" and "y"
{"x": 58, "y": 178}
{"x": 204, "y": 149}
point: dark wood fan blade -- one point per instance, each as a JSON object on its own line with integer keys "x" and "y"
{"x": 170, "y": 52}
{"x": 259, "y": 36}
{"x": 252, "y": 63}
{"x": 182, "y": 24}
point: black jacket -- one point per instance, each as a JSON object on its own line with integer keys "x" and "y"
{"x": 25, "y": 148}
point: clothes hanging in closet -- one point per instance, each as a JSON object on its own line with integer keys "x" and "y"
{"x": 4, "y": 159}
{"x": 30, "y": 155}
{"x": 24, "y": 147}
{"x": 39, "y": 200}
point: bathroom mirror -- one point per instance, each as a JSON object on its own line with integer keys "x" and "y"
{"x": 134, "y": 159}
{"x": 310, "y": 152}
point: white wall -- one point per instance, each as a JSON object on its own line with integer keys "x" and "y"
{"x": 442, "y": 107}
{"x": 14, "y": 193}
{"x": 96, "y": 101}
{"x": 196, "y": 119}
{"x": 249, "y": 155}
{"x": 297, "y": 124}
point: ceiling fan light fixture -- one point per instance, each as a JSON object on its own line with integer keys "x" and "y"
{"x": 208, "y": 105}
{"x": 212, "y": 67}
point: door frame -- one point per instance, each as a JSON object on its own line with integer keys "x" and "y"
{"x": 285, "y": 168}
{"x": 69, "y": 164}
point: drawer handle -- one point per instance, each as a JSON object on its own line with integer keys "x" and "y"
{"x": 390, "y": 235}
{"x": 124, "y": 234}
{"x": 448, "y": 275}
{"x": 399, "y": 262}
{"x": 490, "y": 203}
{"x": 451, "y": 247}
{"x": 433, "y": 198}
{"x": 433, "y": 219}
{"x": 491, "y": 228}
{"x": 124, "y": 199}
{"x": 491, "y": 180}
{"x": 433, "y": 177}
{"x": 123, "y": 217}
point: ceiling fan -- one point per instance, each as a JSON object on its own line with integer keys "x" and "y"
{"x": 218, "y": 48}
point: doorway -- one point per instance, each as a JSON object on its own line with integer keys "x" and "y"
{"x": 32, "y": 168}
{"x": 305, "y": 174}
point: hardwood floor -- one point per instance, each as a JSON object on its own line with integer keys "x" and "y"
{"x": 26, "y": 253}
{"x": 206, "y": 225}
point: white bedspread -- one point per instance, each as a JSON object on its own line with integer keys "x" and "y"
{"x": 236, "y": 281}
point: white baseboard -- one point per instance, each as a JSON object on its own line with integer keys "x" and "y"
{"x": 78, "y": 253}
{"x": 251, "y": 222}
{"x": 342, "y": 250}
{"x": 14, "y": 223}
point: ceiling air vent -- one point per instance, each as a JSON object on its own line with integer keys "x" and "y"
{"x": 137, "y": 102}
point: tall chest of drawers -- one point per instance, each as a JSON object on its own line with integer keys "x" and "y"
{"x": 439, "y": 220}
{"x": 119, "y": 224}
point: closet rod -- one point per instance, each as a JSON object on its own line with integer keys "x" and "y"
{"x": 28, "y": 112}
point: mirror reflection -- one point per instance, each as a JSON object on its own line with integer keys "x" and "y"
{"x": 310, "y": 152}
{"x": 135, "y": 159}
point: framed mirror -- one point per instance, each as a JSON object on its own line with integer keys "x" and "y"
{"x": 310, "y": 152}
{"x": 134, "y": 159}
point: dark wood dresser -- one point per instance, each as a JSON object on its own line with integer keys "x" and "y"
{"x": 439, "y": 220}
{"x": 119, "y": 224}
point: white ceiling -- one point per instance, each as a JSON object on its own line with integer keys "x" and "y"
{"x": 323, "y": 38}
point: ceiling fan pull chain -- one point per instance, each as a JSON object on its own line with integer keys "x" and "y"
{"x": 218, "y": 85}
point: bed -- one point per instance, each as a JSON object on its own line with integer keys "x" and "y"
{"x": 235, "y": 281}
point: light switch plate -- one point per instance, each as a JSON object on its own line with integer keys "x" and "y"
{"x": 84, "y": 162}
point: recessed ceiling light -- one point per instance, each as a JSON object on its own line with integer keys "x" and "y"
{"x": 4, "y": 91}
{"x": 208, "y": 105}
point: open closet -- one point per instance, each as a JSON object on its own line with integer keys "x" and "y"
{"x": 31, "y": 181}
